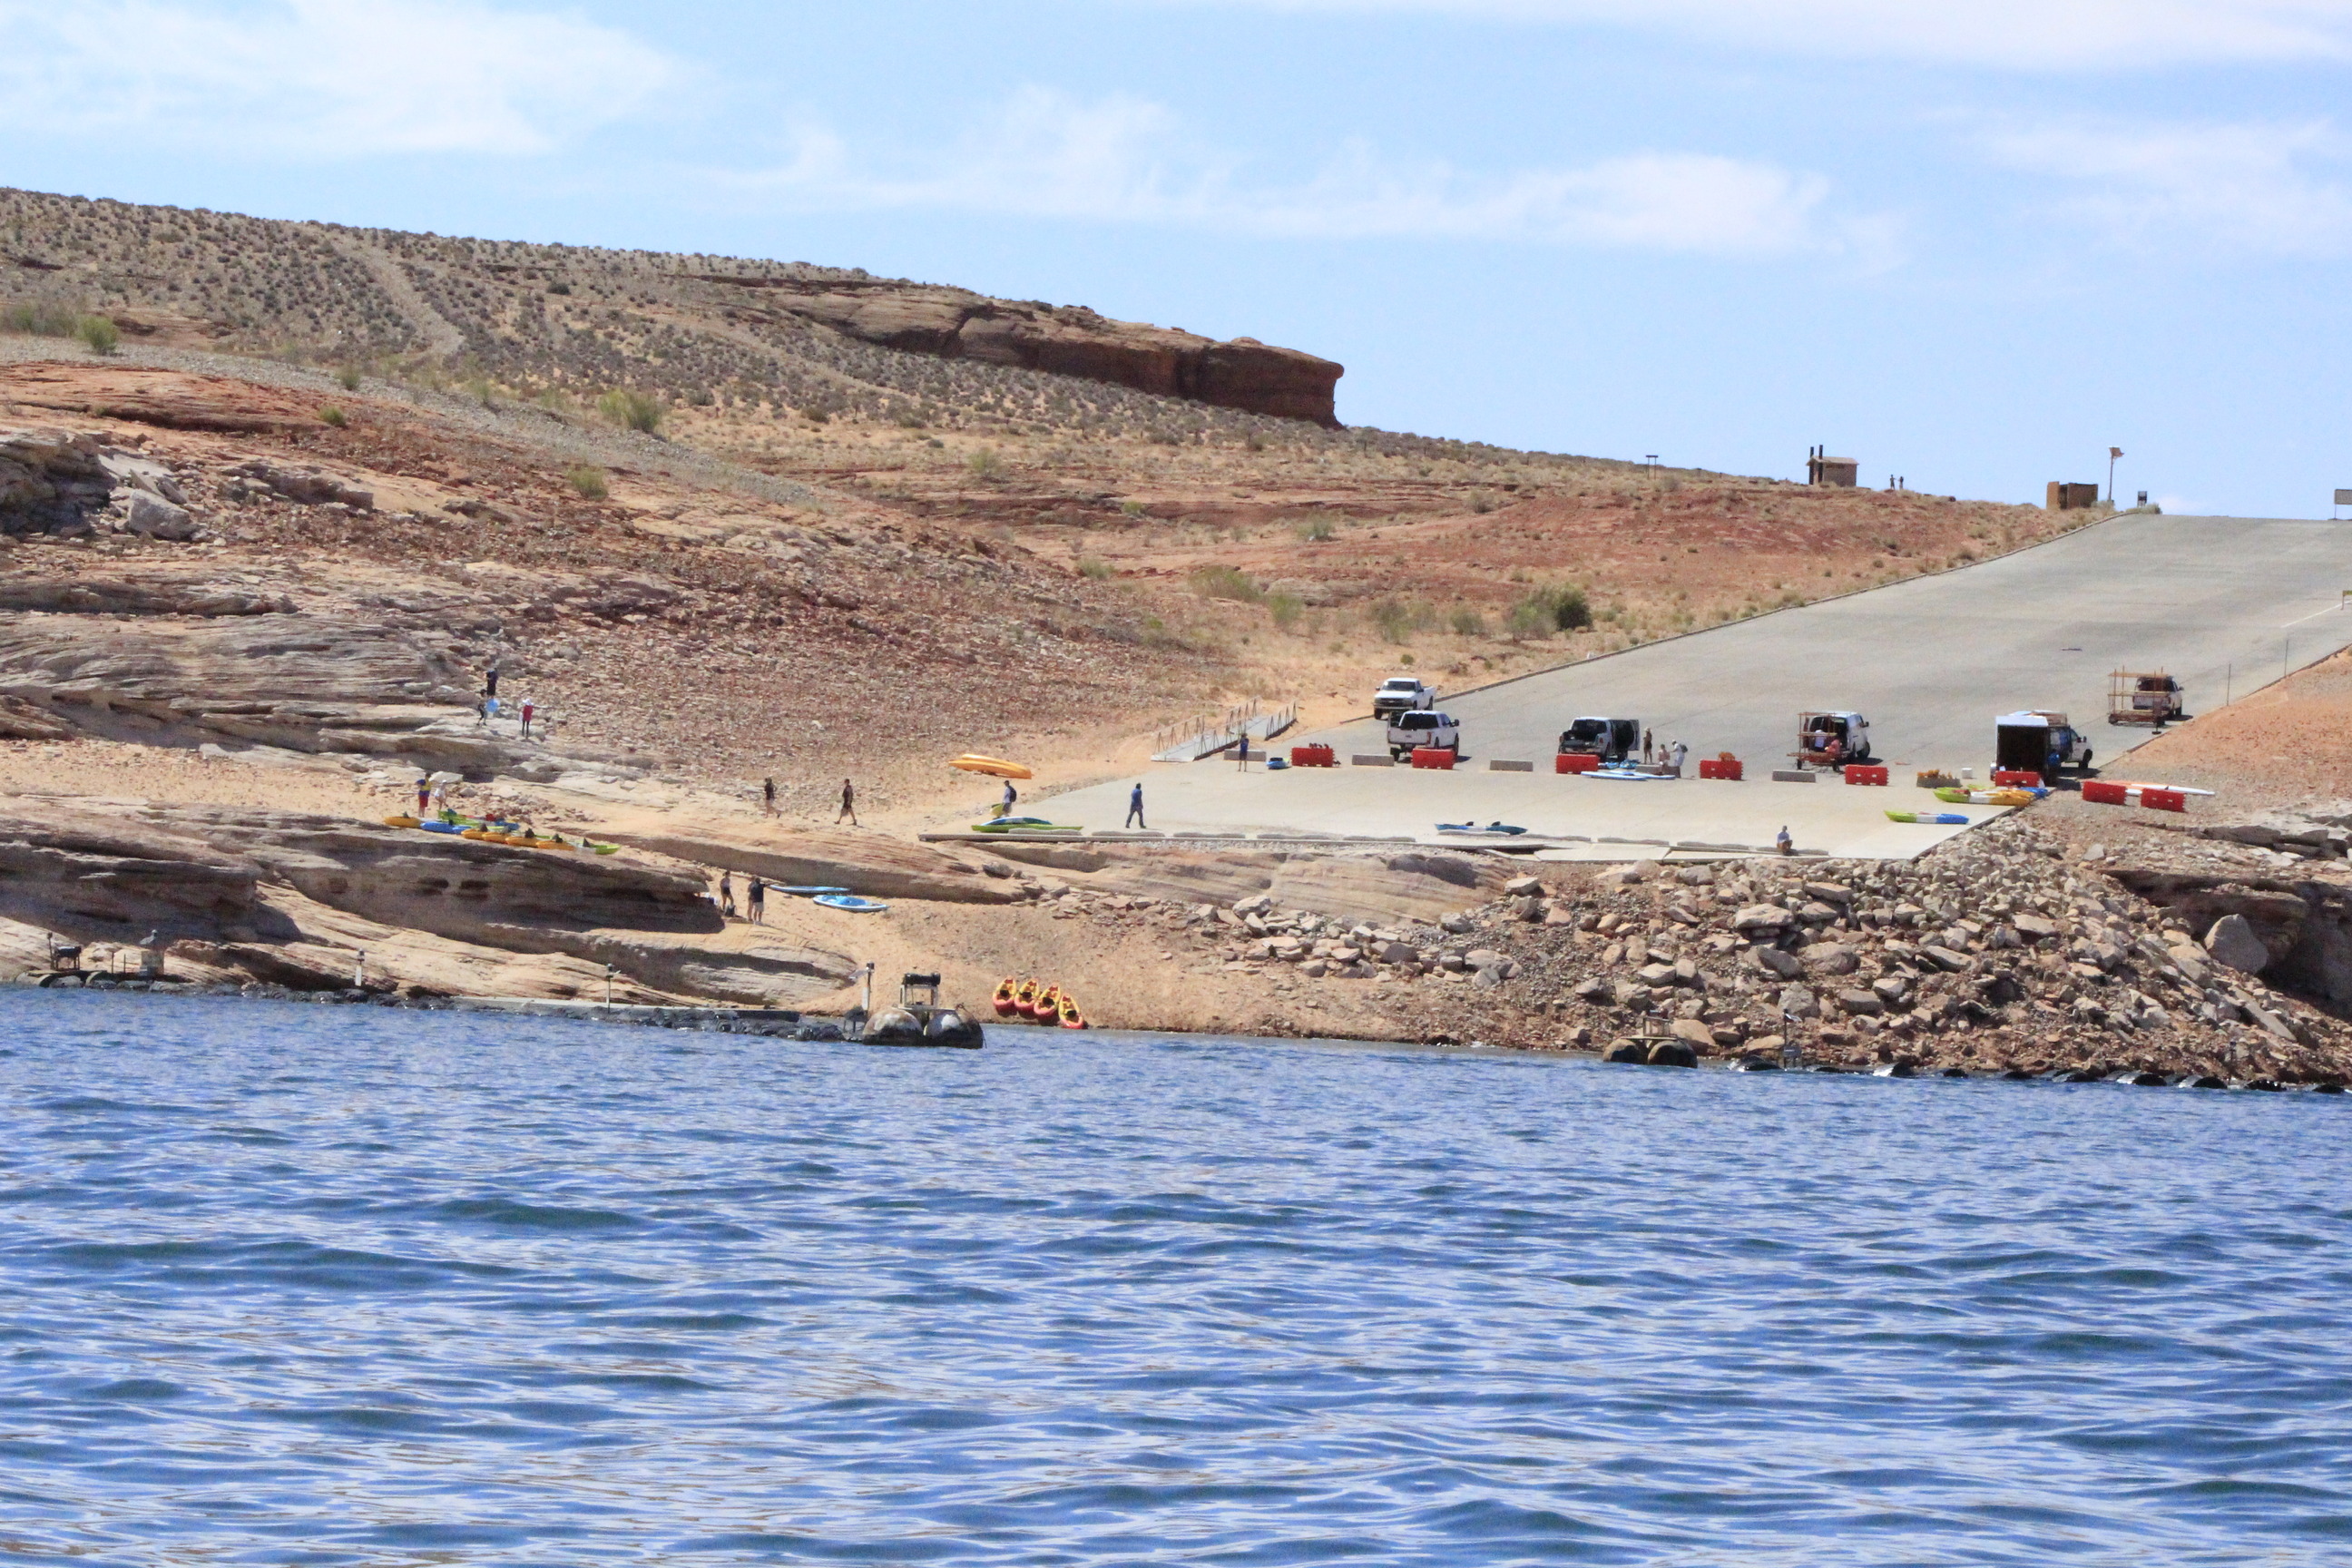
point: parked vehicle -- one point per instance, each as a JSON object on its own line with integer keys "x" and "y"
{"x": 1610, "y": 740}
{"x": 1816, "y": 732}
{"x": 1410, "y": 731}
{"x": 2144, "y": 697}
{"x": 1403, "y": 694}
{"x": 2039, "y": 741}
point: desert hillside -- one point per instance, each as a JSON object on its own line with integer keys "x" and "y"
{"x": 855, "y": 538}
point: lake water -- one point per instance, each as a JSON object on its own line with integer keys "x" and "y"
{"x": 302, "y": 1285}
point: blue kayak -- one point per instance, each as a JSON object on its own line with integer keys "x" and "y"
{"x": 854, "y": 905}
{"x": 809, "y": 892}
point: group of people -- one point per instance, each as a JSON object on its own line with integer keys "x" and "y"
{"x": 1669, "y": 755}
{"x": 528, "y": 710}
{"x": 848, "y": 812}
{"x": 1825, "y": 747}
{"x": 755, "y": 899}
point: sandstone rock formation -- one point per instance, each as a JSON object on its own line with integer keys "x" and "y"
{"x": 293, "y": 899}
{"x": 865, "y": 863}
{"x": 954, "y": 324}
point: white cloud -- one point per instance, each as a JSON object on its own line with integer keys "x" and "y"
{"x": 1047, "y": 154}
{"x": 319, "y": 78}
{"x": 2025, "y": 35}
{"x": 2271, "y": 189}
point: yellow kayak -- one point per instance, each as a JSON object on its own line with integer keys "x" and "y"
{"x": 995, "y": 767}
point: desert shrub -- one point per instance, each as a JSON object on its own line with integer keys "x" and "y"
{"x": 631, "y": 410}
{"x": 911, "y": 419}
{"x": 985, "y": 464}
{"x": 1392, "y": 618}
{"x": 590, "y": 480}
{"x": 1285, "y": 609}
{"x": 1467, "y": 622}
{"x": 1130, "y": 509}
{"x": 558, "y": 288}
{"x": 1226, "y": 583}
{"x": 1164, "y": 437}
{"x": 1562, "y": 607}
{"x": 1094, "y": 570}
{"x": 1256, "y": 443}
{"x": 1482, "y": 503}
{"x": 100, "y": 333}
{"x": 1317, "y": 532}
{"x": 348, "y": 378}
{"x": 334, "y": 416}
{"x": 43, "y": 320}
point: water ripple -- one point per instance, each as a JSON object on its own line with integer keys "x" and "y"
{"x": 357, "y": 1288}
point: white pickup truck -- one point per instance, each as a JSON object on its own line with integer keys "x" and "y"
{"x": 1401, "y": 694}
{"x": 1409, "y": 731}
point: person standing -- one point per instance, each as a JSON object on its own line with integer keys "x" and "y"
{"x": 1648, "y": 752}
{"x": 490, "y": 680}
{"x": 848, "y": 806}
{"x": 1134, "y": 808}
{"x": 759, "y": 902}
{"x": 424, "y": 796}
{"x": 1004, "y": 806}
{"x": 726, "y": 894}
{"x": 767, "y": 793}
{"x": 528, "y": 706}
{"x": 1674, "y": 755}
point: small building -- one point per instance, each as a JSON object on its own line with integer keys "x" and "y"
{"x": 1824, "y": 470}
{"x": 2064, "y": 497}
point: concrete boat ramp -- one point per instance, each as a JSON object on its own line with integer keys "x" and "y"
{"x": 2226, "y": 604}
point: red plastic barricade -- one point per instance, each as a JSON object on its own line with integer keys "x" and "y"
{"x": 2026, "y": 777}
{"x": 1432, "y": 757}
{"x": 2098, "y": 792}
{"x": 1720, "y": 768}
{"x": 2162, "y": 799}
{"x": 1575, "y": 763}
{"x": 1313, "y": 757}
{"x": 1857, "y": 774}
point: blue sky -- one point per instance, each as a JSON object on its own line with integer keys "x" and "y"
{"x": 1971, "y": 243}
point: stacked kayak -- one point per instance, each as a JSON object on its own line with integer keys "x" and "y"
{"x": 2007, "y": 795}
{"x": 1492, "y": 829}
{"x": 1046, "y": 1005}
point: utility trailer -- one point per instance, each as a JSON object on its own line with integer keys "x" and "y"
{"x": 2142, "y": 697}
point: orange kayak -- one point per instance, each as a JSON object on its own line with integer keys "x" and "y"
{"x": 1024, "y": 1001}
{"x": 1007, "y": 990}
{"x": 1071, "y": 1017}
{"x": 1048, "y": 1004}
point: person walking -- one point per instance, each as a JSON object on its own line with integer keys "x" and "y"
{"x": 726, "y": 894}
{"x": 848, "y": 806}
{"x": 1004, "y": 806}
{"x": 759, "y": 902}
{"x": 1134, "y": 808}
{"x": 528, "y": 706}
{"x": 768, "y": 793}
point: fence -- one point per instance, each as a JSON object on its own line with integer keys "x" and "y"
{"x": 1192, "y": 739}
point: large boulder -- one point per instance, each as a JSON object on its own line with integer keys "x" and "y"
{"x": 2233, "y": 941}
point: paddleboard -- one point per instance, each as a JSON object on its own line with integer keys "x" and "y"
{"x": 856, "y": 906}
{"x": 1929, "y": 818}
{"x": 1625, "y": 774}
{"x": 2176, "y": 789}
{"x": 1499, "y": 829}
{"x": 811, "y": 893}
